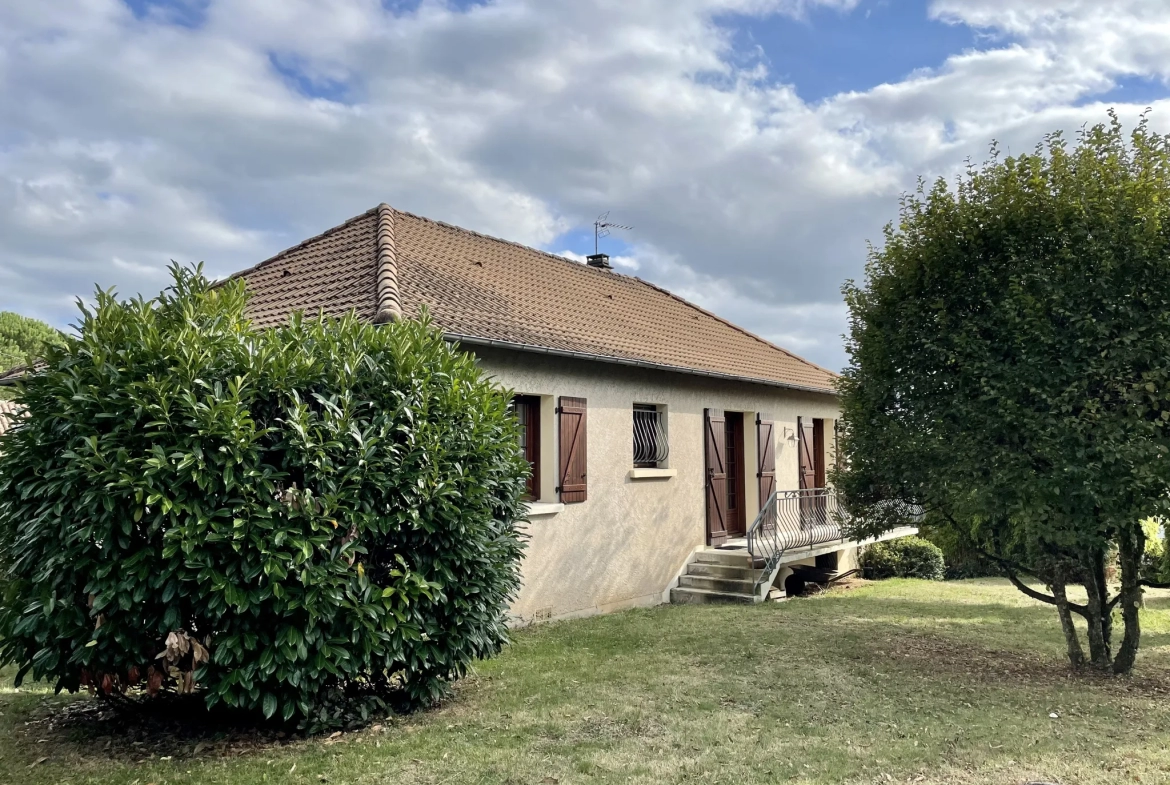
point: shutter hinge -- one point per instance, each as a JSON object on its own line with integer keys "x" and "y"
{"x": 558, "y": 410}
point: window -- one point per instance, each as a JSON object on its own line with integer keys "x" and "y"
{"x": 527, "y": 409}
{"x": 650, "y": 445}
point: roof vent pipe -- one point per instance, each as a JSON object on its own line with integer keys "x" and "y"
{"x": 599, "y": 260}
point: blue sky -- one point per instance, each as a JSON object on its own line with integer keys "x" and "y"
{"x": 754, "y": 145}
{"x": 834, "y": 50}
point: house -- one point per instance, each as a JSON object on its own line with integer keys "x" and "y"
{"x": 675, "y": 457}
{"x": 657, "y": 431}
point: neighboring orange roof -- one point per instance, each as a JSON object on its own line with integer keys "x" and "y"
{"x": 8, "y": 413}
{"x": 481, "y": 290}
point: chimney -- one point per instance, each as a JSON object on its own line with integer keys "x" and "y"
{"x": 599, "y": 260}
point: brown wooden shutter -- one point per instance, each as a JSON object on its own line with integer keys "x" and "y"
{"x": 805, "y": 439}
{"x": 715, "y": 439}
{"x": 573, "y": 452}
{"x": 766, "y": 450}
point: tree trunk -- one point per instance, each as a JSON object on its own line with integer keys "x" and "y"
{"x": 1076, "y": 655}
{"x": 1130, "y": 545}
{"x": 1097, "y": 613}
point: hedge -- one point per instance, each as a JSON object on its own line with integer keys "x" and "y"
{"x": 312, "y": 521}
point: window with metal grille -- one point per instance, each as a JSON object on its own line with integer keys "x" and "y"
{"x": 650, "y": 445}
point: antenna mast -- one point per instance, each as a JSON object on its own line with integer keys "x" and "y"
{"x": 601, "y": 229}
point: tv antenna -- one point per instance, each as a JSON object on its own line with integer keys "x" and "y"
{"x": 601, "y": 229}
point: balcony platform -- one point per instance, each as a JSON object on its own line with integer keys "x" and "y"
{"x": 793, "y": 555}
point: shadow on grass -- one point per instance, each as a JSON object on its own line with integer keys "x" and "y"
{"x": 1158, "y": 603}
{"x": 175, "y": 727}
{"x": 1014, "y": 645}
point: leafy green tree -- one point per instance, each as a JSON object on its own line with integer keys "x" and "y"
{"x": 311, "y": 522}
{"x": 1009, "y": 370}
{"x": 23, "y": 339}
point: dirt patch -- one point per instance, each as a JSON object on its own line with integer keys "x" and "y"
{"x": 89, "y": 728}
{"x": 846, "y": 584}
{"x": 991, "y": 666}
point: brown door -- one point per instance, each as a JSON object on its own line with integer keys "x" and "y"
{"x": 766, "y": 450}
{"x": 811, "y": 458}
{"x": 819, "y": 453}
{"x": 805, "y": 453}
{"x": 736, "y": 506}
{"x": 715, "y": 448}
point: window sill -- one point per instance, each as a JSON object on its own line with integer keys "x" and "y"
{"x": 543, "y": 509}
{"x": 651, "y": 474}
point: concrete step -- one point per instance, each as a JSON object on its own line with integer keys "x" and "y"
{"x": 737, "y": 572}
{"x": 685, "y": 596}
{"x": 717, "y": 584}
{"x": 731, "y": 558}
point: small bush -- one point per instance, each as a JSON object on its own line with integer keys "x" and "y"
{"x": 962, "y": 560}
{"x": 310, "y": 521}
{"x": 905, "y": 557}
{"x": 1155, "y": 560}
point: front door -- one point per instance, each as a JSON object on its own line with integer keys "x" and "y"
{"x": 811, "y": 459}
{"x": 723, "y": 448}
{"x": 736, "y": 507}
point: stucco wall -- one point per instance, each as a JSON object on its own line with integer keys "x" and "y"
{"x": 626, "y": 543}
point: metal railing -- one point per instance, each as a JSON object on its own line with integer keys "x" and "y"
{"x": 650, "y": 442}
{"x": 793, "y": 519}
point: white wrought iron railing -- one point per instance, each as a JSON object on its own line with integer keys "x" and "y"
{"x": 650, "y": 442}
{"x": 792, "y": 519}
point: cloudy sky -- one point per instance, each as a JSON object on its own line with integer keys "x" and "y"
{"x": 755, "y": 145}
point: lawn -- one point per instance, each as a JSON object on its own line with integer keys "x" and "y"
{"x": 898, "y": 681}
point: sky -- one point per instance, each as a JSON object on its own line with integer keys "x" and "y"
{"x": 756, "y": 147}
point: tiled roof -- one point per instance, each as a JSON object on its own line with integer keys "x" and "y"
{"x": 478, "y": 289}
{"x": 8, "y": 413}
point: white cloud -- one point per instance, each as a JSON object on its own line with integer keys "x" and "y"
{"x": 128, "y": 142}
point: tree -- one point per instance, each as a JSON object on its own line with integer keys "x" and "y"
{"x": 1009, "y": 371}
{"x": 309, "y": 521}
{"x": 22, "y": 340}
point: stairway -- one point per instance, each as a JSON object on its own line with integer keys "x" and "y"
{"x": 719, "y": 575}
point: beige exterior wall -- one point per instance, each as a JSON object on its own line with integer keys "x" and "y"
{"x": 625, "y": 545}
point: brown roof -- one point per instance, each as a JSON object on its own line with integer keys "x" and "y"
{"x": 14, "y": 374}
{"x": 8, "y": 412}
{"x": 479, "y": 289}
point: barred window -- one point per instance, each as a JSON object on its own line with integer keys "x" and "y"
{"x": 650, "y": 444}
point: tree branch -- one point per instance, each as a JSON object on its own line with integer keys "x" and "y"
{"x": 1009, "y": 570}
{"x": 1028, "y": 590}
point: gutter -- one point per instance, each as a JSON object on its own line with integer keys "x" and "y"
{"x": 603, "y": 358}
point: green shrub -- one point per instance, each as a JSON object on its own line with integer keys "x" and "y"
{"x": 961, "y": 559}
{"x": 905, "y": 557}
{"x": 312, "y": 521}
{"x": 1155, "y": 560}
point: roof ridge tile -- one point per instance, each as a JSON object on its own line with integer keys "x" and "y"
{"x": 389, "y": 299}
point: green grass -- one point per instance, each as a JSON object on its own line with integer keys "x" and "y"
{"x": 898, "y": 681}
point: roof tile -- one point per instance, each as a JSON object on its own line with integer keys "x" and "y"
{"x": 487, "y": 289}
